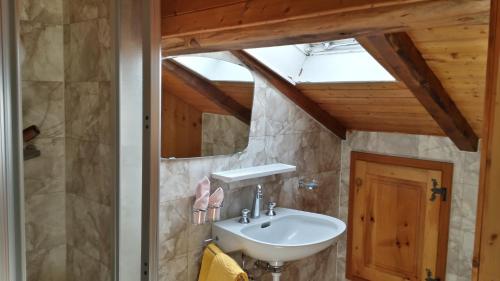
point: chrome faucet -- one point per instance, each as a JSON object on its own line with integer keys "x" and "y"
{"x": 257, "y": 202}
{"x": 244, "y": 216}
{"x": 270, "y": 209}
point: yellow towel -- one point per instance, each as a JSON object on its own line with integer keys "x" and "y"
{"x": 217, "y": 266}
{"x": 208, "y": 256}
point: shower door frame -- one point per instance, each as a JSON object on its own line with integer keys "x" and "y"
{"x": 12, "y": 257}
{"x": 151, "y": 136}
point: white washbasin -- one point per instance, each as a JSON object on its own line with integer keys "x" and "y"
{"x": 290, "y": 235}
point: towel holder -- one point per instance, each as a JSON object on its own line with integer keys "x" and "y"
{"x": 214, "y": 212}
{"x": 209, "y": 215}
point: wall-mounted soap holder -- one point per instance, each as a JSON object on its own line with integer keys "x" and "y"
{"x": 308, "y": 185}
{"x": 30, "y": 151}
{"x": 211, "y": 214}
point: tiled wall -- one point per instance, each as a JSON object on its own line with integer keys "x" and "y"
{"x": 89, "y": 139}
{"x": 42, "y": 75}
{"x": 464, "y": 195}
{"x": 65, "y": 72}
{"x": 280, "y": 132}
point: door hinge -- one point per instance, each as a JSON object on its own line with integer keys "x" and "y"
{"x": 429, "y": 276}
{"x": 436, "y": 190}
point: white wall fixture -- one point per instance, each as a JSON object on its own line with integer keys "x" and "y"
{"x": 288, "y": 235}
{"x": 253, "y": 172}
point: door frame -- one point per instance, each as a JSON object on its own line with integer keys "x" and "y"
{"x": 487, "y": 243}
{"x": 12, "y": 254}
{"x": 447, "y": 180}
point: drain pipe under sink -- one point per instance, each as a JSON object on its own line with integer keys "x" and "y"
{"x": 276, "y": 276}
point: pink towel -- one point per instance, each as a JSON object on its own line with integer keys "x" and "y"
{"x": 202, "y": 194}
{"x": 216, "y": 198}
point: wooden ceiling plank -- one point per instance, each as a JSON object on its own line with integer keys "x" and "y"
{"x": 397, "y": 52}
{"x": 293, "y": 93}
{"x": 204, "y": 87}
{"x": 210, "y": 17}
{"x": 283, "y": 26}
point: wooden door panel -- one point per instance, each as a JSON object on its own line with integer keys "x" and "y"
{"x": 394, "y": 228}
{"x": 398, "y": 172}
{"x": 359, "y": 215}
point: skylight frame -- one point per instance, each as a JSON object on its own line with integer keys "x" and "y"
{"x": 308, "y": 62}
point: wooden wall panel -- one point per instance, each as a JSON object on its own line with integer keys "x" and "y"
{"x": 222, "y": 14}
{"x": 487, "y": 245}
{"x": 457, "y": 55}
{"x": 383, "y": 106}
{"x": 263, "y": 23}
{"x": 172, "y": 8}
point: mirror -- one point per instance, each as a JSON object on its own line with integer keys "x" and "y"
{"x": 206, "y": 105}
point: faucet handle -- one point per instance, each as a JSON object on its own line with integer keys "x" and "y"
{"x": 244, "y": 216}
{"x": 270, "y": 209}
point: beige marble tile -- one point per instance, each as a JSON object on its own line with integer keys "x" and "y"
{"x": 43, "y": 106}
{"x": 42, "y": 11}
{"x": 254, "y": 154}
{"x": 45, "y": 237}
{"x": 45, "y": 230}
{"x": 89, "y": 170}
{"x": 174, "y": 222}
{"x": 89, "y": 58}
{"x": 90, "y": 228}
{"x": 83, "y": 10}
{"x": 283, "y": 117}
{"x": 330, "y": 151}
{"x": 471, "y": 168}
{"x": 194, "y": 259}
{"x": 320, "y": 267}
{"x": 174, "y": 180}
{"x": 198, "y": 234}
{"x": 341, "y": 270}
{"x": 84, "y": 267}
{"x": 46, "y": 264}
{"x": 46, "y": 173}
{"x": 41, "y": 52}
{"x": 301, "y": 150}
{"x": 88, "y": 111}
{"x": 283, "y": 149}
{"x": 258, "y": 122}
{"x": 174, "y": 270}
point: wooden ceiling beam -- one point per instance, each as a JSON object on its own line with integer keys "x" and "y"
{"x": 398, "y": 53}
{"x": 204, "y": 87}
{"x": 293, "y": 93}
{"x": 264, "y": 23}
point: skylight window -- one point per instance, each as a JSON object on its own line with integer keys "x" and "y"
{"x": 333, "y": 61}
{"x": 215, "y": 69}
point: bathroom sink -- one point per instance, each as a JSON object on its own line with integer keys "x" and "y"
{"x": 290, "y": 235}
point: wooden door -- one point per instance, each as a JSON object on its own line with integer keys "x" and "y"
{"x": 396, "y": 231}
